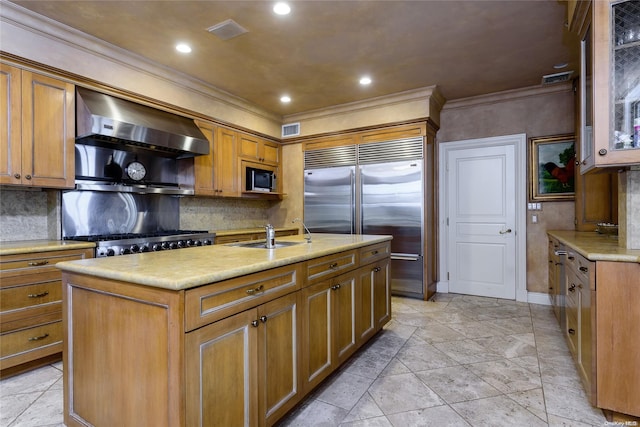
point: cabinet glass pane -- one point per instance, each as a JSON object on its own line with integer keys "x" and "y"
{"x": 626, "y": 75}
{"x": 586, "y": 71}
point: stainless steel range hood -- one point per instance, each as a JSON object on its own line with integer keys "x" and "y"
{"x": 104, "y": 120}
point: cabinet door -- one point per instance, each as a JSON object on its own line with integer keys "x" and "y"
{"x": 279, "y": 357}
{"x": 344, "y": 315}
{"x": 365, "y": 318}
{"x": 382, "y": 293}
{"x": 227, "y": 396}
{"x": 10, "y": 130}
{"x": 226, "y": 165}
{"x": 204, "y": 166}
{"x": 317, "y": 357}
{"x": 48, "y": 129}
{"x": 257, "y": 149}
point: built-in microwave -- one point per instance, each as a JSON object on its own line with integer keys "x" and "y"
{"x": 260, "y": 180}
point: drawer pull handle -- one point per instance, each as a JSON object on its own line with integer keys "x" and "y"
{"x": 254, "y": 323}
{"x": 333, "y": 266}
{"x": 571, "y": 258}
{"x": 377, "y": 269}
{"x": 255, "y": 290}
{"x": 572, "y": 288}
{"x": 38, "y": 263}
{"x": 572, "y": 331}
{"x": 40, "y": 295}
{"x": 374, "y": 253}
{"x": 584, "y": 269}
{"x": 263, "y": 319}
{"x": 336, "y": 287}
{"x": 38, "y": 338}
{"x": 560, "y": 252}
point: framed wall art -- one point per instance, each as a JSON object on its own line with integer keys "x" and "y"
{"x": 552, "y": 161}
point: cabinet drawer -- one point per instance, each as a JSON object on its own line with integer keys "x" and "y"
{"x": 213, "y": 302}
{"x": 18, "y": 264}
{"x": 331, "y": 265}
{"x": 582, "y": 267}
{"x": 30, "y": 295}
{"x": 374, "y": 252}
{"x": 18, "y": 346}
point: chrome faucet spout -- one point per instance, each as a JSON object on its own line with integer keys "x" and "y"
{"x": 307, "y": 238}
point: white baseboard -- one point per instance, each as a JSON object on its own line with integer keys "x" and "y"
{"x": 538, "y": 298}
{"x": 532, "y": 297}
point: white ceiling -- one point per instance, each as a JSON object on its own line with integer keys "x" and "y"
{"x": 317, "y": 53}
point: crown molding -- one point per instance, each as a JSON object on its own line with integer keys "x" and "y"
{"x": 510, "y": 95}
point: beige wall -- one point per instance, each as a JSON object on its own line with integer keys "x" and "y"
{"x": 535, "y": 112}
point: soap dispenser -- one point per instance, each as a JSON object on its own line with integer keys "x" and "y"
{"x": 271, "y": 236}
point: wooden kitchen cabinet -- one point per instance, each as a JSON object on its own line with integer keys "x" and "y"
{"x": 329, "y": 335}
{"x": 216, "y": 174}
{"x": 31, "y": 308}
{"x": 259, "y": 150}
{"x": 38, "y": 130}
{"x": 580, "y": 299}
{"x": 610, "y": 94}
{"x": 233, "y": 352}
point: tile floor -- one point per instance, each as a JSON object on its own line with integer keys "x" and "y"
{"x": 456, "y": 361}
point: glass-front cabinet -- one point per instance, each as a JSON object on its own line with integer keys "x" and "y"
{"x": 610, "y": 101}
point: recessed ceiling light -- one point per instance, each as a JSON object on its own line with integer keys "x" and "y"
{"x": 281, "y": 8}
{"x": 365, "y": 80}
{"x": 183, "y": 48}
{"x": 285, "y": 98}
{"x": 560, "y": 66}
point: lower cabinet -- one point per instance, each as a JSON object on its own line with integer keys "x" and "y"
{"x": 259, "y": 353}
{"x": 329, "y": 334}
{"x": 239, "y": 352}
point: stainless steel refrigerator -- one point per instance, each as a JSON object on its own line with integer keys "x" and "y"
{"x": 376, "y": 189}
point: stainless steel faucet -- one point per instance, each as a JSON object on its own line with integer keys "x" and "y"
{"x": 308, "y": 238}
{"x": 271, "y": 236}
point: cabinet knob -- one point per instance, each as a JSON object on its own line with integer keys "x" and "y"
{"x": 572, "y": 288}
{"x": 584, "y": 269}
{"x": 377, "y": 269}
{"x": 255, "y": 290}
{"x": 16, "y": 175}
{"x": 263, "y": 319}
{"x": 602, "y": 152}
{"x": 28, "y": 176}
{"x": 572, "y": 331}
{"x": 254, "y": 323}
{"x": 333, "y": 266}
{"x": 335, "y": 287}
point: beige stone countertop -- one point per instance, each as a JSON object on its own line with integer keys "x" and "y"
{"x": 250, "y": 230}
{"x": 33, "y": 246}
{"x": 595, "y": 246}
{"x": 191, "y": 267}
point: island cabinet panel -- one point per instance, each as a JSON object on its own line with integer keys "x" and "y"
{"x": 618, "y": 332}
{"x": 220, "y": 363}
{"x": 123, "y": 358}
{"x": 209, "y": 303}
{"x": 325, "y": 267}
{"x": 329, "y": 326}
{"x": 279, "y": 357}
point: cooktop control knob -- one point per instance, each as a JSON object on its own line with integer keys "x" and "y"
{"x": 207, "y": 242}
{"x": 190, "y": 243}
{"x": 125, "y": 251}
{"x": 156, "y": 247}
{"x": 145, "y": 248}
{"x": 181, "y": 244}
{"x": 135, "y": 248}
{"x": 110, "y": 252}
{"x": 173, "y": 245}
{"x": 165, "y": 245}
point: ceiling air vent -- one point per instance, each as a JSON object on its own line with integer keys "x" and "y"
{"x": 228, "y": 29}
{"x": 291, "y": 129}
{"x": 550, "y": 79}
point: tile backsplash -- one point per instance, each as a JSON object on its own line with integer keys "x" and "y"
{"x": 35, "y": 214}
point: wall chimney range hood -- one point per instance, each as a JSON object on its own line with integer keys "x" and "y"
{"x": 106, "y": 121}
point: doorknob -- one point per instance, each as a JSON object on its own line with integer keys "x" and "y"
{"x": 508, "y": 230}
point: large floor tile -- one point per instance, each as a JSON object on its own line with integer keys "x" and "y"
{"x": 404, "y": 392}
{"x": 457, "y": 384}
{"x": 499, "y": 411}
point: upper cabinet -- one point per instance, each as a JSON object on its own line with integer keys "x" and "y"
{"x": 259, "y": 150}
{"x": 216, "y": 174}
{"x": 37, "y": 129}
{"x": 610, "y": 83}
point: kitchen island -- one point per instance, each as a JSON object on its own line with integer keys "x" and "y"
{"x": 216, "y": 335}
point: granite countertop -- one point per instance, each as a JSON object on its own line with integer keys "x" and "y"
{"x": 33, "y": 246}
{"x": 595, "y": 246}
{"x": 191, "y": 267}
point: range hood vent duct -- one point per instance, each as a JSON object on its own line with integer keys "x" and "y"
{"x": 103, "y": 120}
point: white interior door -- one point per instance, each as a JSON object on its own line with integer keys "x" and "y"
{"x": 481, "y": 185}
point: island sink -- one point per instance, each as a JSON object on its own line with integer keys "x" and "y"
{"x": 263, "y": 245}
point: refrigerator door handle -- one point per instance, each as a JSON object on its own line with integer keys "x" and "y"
{"x": 352, "y": 189}
{"x": 406, "y": 257}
